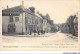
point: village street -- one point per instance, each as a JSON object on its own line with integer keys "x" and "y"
{"x": 57, "y": 37}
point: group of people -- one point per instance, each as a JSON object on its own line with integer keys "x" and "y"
{"x": 37, "y": 32}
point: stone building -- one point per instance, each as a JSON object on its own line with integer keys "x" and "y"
{"x": 44, "y": 24}
{"x": 22, "y": 20}
{"x": 13, "y": 20}
{"x": 32, "y": 22}
{"x": 47, "y": 23}
{"x": 50, "y": 26}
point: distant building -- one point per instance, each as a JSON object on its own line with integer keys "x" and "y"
{"x": 47, "y": 23}
{"x": 44, "y": 24}
{"x": 50, "y": 25}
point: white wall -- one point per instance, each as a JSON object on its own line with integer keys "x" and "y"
{"x": 44, "y": 24}
{"x": 5, "y": 21}
{"x": 18, "y": 24}
{"x": 23, "y": 15}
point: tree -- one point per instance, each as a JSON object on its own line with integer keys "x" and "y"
{"x": 71, "y": 24}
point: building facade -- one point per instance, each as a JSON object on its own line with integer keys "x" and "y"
{"x": 13, "y": 20}
{"x": 22, "y": 20}
{"x": 32, "y": 22}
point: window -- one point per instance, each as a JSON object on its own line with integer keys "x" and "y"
{"x": 36, "y": 22}
{"x": 26, "y": 20}
{"x": 26, "y": 27}
{"x": 11, "y": 28}
{"x": 11, "y": 18}
{"x": 32, "y": 21}
{"x": 41, "y": 21}
{"x": 16, "y": 19}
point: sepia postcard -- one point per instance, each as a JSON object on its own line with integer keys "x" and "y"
{"x": 39, "y": 25}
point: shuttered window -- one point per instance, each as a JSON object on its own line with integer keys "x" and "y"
{"x": 16, "y": 19}
{"x": 26, "y": 20}
{"x": 11, "y": 19}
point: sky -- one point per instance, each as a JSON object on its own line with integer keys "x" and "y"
{"x": 59, "y": 10}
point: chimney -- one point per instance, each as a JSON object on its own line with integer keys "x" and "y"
{"x": 37, "y": 12}
{"x": 7, "y": 7}
{"x": 22, "y": 3}
{"x": 32, "y": 9}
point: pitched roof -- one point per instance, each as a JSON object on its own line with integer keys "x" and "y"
{"x": 17, "y": 10}
{"x": 50, "y": 22}
{"x": 30, "y": 12}
{"x": 14, "y": 10}
{"x": 38, "y": 15}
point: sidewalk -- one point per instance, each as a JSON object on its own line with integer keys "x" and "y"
{"x": 42, "y": 35}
